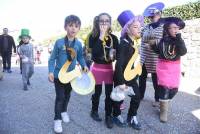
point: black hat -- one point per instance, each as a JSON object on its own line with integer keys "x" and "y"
{"x": 178, "y": 21}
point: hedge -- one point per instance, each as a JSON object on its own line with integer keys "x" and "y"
{"x": 186, "y": 12}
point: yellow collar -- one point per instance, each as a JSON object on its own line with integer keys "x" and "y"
{"x": 136, "y": 41}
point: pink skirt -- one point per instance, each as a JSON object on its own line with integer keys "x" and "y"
{"x": 102, "y": 72}
{"x": 168, "y": 73}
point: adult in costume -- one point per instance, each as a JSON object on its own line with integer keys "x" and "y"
{"x": 148, "y": 57}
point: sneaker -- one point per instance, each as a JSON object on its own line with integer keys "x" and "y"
{"x": 109, "y": 122}
{"x": 134, "y": 123}
{"x": 25, "y": 88}
{"x": 65, "y": 117}
{"x": 58, "y": 126}
{"x": 28, "y": 82}
{"x": 156, "y": 104}
{"x": 95, "y": 116}
{"x": 119, "y": 121}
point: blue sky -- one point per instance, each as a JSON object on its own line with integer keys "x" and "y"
{"x": 46, "y": 17}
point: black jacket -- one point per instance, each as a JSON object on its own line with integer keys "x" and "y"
{"x": 124, "y": 53}
{"x": 169, "y": 44}
{"x": 97, "y": 49}
{"x": 11, "y": 44}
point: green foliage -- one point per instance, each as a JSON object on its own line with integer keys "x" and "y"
{"x": 186, "y": 12}
{"x": 51, "y": 40}
{"x": 116, "y": 26}
{"x": 84, "y": 32}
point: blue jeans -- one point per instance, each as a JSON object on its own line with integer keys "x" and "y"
{"x": 27, "y": 72}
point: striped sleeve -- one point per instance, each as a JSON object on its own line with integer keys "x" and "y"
{"x": 142, "y": 53}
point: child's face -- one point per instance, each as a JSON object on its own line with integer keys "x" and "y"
{"x": 25, "y": 39}
{"x": 173, "y": 30}
{"x": 104, "y": 20}
{"x": 134, "y": 29}
{"x": 155, "y": 18}
{"x": 72, "y": 29}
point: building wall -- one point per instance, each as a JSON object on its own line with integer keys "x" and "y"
{"x": 191, "y": 36}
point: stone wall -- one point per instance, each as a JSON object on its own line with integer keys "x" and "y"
{"x": 191, "y": 36}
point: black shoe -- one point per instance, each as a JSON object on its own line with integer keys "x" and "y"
{"x": 109, "y": 122}
{"x": 25, "y": 88}
{"x": 119, "y": 121}
{"x": 136, "y": 126}
{"x": 4, "y": 70}
{"x": 28, "y": 82}
{"x": 95, "y": 116}
{"x": 9, "y": 71}
{"x": 141, "y": 98}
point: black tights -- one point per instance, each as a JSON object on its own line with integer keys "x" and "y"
{"x": 142, "y": 83}
{"x": 108, "y": 101}
{"x": 134, "y": 103}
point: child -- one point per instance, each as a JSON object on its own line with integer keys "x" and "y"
{"x": 102, "y": 44}
{"x": 128, "y": 46}
{"x": 20, "y": 59}
{"x": 25, "y": 52}
{"x": 170, "y": 50}
{"x": 59, "y": 56}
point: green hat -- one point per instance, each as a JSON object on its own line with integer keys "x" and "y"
{"x": 25, "y": 32}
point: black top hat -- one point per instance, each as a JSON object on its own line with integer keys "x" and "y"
{"x": 178, "y": 21}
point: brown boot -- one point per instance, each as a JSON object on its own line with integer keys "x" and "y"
{"x": 163, "y": 110}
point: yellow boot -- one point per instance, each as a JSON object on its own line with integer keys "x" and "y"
{"x": 164, "y": 104}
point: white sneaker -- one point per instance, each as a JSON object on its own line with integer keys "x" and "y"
{"x": 120, "y": 118}
{"x": 65, "y": 117}
{"x": 58, "y": 126}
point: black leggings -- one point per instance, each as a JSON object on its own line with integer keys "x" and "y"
{"x": 134, "y": 103}
{"x": 108, "y": 101}
{"x": 63, "y": 92}
{"x": 142, "y": 83}
{"x": 167, "y": 93}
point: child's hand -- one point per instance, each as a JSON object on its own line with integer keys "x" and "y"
{"x": 51, "y": 77}
{"x": 85, "y": 69}
{"x": 103, "y": 30}
{"x": 152, "y": 42}
{"x": 123, "y": 87}
{"x": 178, "y": 35}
